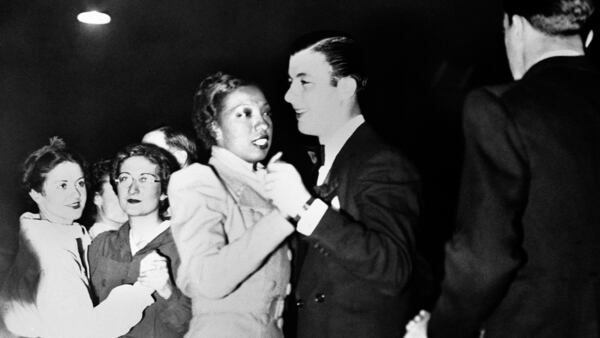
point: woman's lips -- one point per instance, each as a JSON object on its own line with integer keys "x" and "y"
{"x": 261, "y": 142}
{"x": 74, "y": 205}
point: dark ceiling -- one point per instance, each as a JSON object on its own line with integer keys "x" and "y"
{"x": 102, "y": 87}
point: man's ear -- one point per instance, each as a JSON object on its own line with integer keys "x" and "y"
{"x": 347, "y": 86}
{"x": 181, "y": 156}
{"x": 519, "y": 24}
{"x": 589, "y": 38}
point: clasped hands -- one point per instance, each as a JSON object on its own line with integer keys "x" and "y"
{"x": 154, "y": 274}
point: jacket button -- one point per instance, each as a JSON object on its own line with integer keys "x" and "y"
{"x": 300, "y": 303}
{"x": 320, "y": 298}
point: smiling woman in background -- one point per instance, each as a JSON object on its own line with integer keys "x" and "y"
{"x": 234, "y": 263}
{"x": 46, "y": 293}
{"x": 140, "y": 174}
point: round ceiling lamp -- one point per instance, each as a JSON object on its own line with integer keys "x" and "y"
{"x": 94, "y": 18}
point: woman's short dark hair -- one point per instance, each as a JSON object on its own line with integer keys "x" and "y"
{"x": 167, "y": 164}
{"x": 341, "y": 51}
{"x": 553, "y": 17}
{"x": 208, "y": 103}
{"x": 40, "y": 162}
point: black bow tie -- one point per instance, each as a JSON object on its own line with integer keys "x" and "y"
{"x": 317, "y": 154}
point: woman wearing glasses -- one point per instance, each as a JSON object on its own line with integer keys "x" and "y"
{"x": 140, "y": 174}
{"x": 46, "y": 293}
{"x": 234, "y": 263}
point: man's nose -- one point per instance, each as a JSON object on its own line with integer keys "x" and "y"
{"x": 289, "y": 95}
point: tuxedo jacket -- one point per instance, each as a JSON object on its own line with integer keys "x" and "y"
{"x": 358, "y": 261}
{"x": 525, "y": 259}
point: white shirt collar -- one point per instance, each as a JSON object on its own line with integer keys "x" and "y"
{"x": 142, "y": 242}
{"x": 334, "y": 144}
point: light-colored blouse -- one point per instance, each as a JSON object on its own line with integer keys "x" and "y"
{"x": 63, "y": 306}
{"x": 235, "y": 264}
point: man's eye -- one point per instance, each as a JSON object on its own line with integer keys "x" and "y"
{"x": 143, "y": 179}
{"x": 267, "y": 112}
{"x": 62, "y": 186}
{"x": 304, "y": 82}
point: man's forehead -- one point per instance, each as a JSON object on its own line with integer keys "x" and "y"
{"x": 308, "y": 63}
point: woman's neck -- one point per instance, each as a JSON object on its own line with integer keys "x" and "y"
{"x": 55, "y": 219}
{"x": 105, "y": 220}
{"x": 141, "y": 225}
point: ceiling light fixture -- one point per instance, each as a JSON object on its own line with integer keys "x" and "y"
{"x": 94, "y": 18}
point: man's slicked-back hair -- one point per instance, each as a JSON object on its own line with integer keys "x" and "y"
{"x": 99, "y": 173}
{"x": 178, "y": 139}
{"x": 341, "y": 51}
{"x": 554, "y": 17}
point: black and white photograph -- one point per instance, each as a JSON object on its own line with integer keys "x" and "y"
{"x": 184, "y": 169}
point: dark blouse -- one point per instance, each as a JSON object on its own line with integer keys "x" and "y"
{"x": 111, "y": 265}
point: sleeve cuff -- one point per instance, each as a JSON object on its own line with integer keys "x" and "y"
{"x": 310, "y": 219}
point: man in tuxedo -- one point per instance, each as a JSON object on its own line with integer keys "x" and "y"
{"x": 357, "y": 246}
{"x": 525, "y": 258}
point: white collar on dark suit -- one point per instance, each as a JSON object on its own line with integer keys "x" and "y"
{"x": 334, "y": 144}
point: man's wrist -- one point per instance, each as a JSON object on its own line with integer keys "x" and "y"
{"x": 294, "y": 220}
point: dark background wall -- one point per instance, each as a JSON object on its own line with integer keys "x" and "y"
{"x": 101, "y": 88}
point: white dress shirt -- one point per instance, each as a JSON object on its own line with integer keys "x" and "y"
{"x": 310, "y": 218}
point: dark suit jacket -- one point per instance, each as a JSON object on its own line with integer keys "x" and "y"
{"x": 358, "y": 262}
{"x": 525, "y": 259}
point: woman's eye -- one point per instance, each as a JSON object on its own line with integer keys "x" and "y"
{"x": 245, "y": 112}
{"x": 143, "y": 179}
{"x": 62, "y": 186}
{"x": 81, "y": 184}
{"x": 267, "y": 112}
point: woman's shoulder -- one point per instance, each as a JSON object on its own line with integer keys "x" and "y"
{"x": 193, "y": 174}
{"x": 197, "y": 178}
{"x": 36, "y": 230}
{"x": 106, "y": 241}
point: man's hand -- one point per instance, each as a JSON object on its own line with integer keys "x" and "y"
{"x": 284, "y": 186}
{"x": 154, "y": 274}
